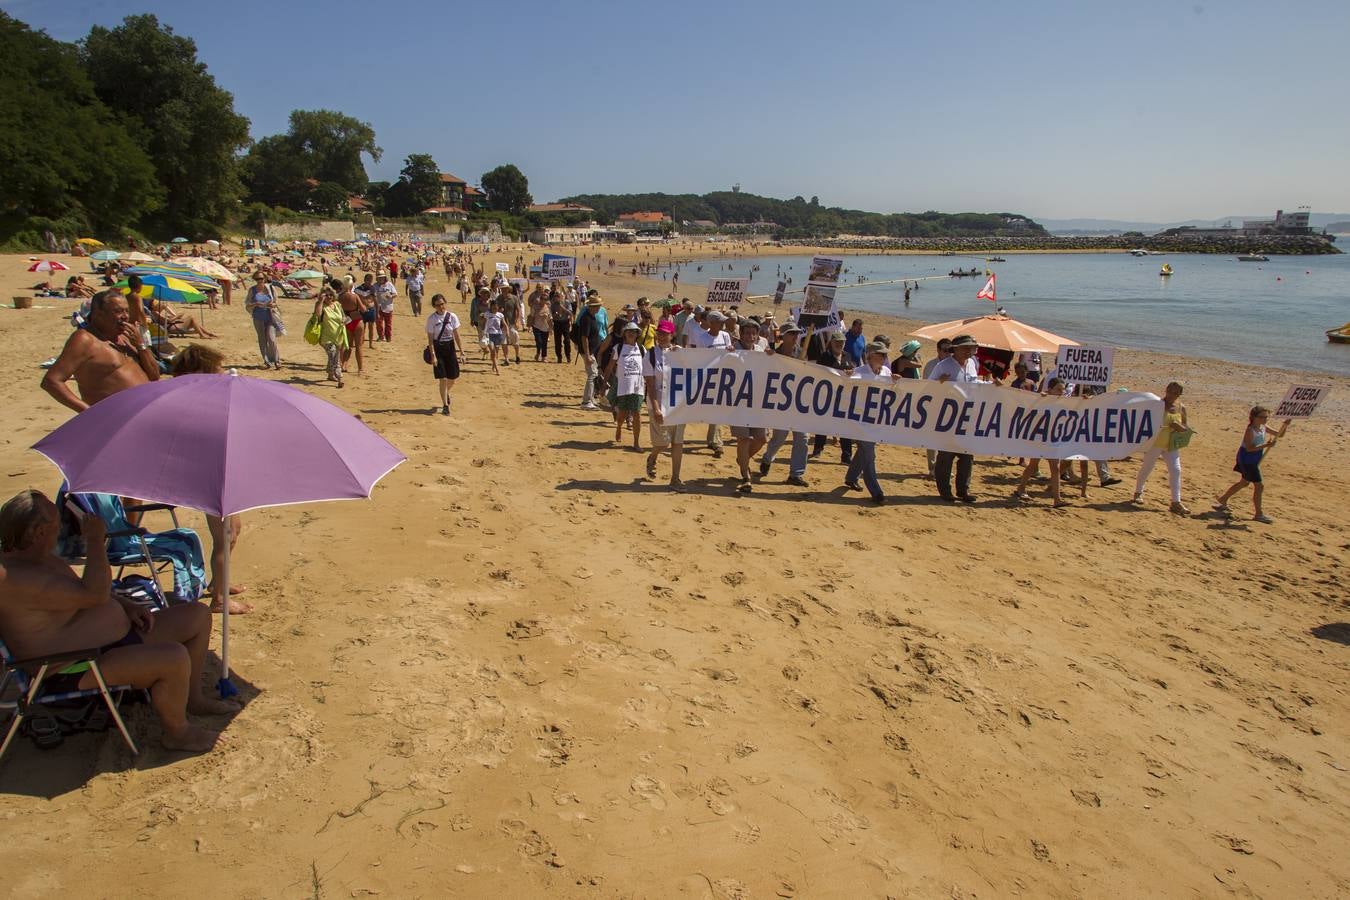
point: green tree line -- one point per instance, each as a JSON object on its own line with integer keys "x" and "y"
{"x": 801, "y": 218}
{"x": 126, "y": 132}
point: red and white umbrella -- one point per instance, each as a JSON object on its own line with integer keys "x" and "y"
{"x": 48, "y": 265}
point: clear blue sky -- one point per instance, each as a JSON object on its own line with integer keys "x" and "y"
{"x": 1140, "y": 110}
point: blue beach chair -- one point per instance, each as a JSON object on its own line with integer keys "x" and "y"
{"x": 58, "y": 672}
{"x": 132, "y": 545}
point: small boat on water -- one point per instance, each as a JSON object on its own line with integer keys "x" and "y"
{"x": 1339, "y": 335}
{"x": 1139, "y": 252}
{"x": 995, "y": 259}
{"x": 1166, "y": 270}
{"x": 1252, "y": 257}
{"x": 962, "y": 273}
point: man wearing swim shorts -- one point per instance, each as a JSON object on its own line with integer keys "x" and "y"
{"x": 45, "y": 608}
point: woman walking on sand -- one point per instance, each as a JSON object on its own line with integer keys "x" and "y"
{"x": 261, "y": 303}
{"x": 560, "y": 308}
{"x": 332, "y": 331}
{"x": 444, "y": 348}
{"x": 1171, "y": 438}
{"x": 541, "y": 322}
{"x": 624, "y": 372}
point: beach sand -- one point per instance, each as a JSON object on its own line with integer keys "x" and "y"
{"x": 523, "y": 670}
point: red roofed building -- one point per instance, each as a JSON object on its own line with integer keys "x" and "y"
{"x": 646, "y": 222}
{"x": 452, "y": 190}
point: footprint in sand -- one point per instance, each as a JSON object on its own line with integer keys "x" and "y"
{"x": 650, "y": 790}
{"x": 522, "y": 630}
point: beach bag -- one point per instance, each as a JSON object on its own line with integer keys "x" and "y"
{"x": 312, "y": 329}
{"x": 1178, "y": 440}
{"x": 427, "y": 356}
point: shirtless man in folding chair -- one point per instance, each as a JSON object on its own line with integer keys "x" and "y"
{"x": 46, "y": 608}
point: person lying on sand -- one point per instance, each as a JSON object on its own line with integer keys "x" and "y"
{"x": 46, "y": 608}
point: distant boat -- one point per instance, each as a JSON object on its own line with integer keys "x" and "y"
{"x": 1252, "y": 257}
{"x": 995, "y": 259}
{"x": 1166, "y": 270}
{"x": 1138, "y": 252}
{"x": 1339, "y": 335}
{"x": 962, "y": 273}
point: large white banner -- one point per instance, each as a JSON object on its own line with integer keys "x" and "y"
{"x": 758, "y": 390}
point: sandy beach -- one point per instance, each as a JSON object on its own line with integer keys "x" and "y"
{"x": 522, "y": 669}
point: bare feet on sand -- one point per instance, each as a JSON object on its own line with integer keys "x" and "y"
{"x": 213, "y": 706}
{"x": 191, "y": 739}
{"x": 237, "y": 608}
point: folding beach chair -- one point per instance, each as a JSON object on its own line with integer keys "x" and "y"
{"x": 178, "y": 549}
{"x": 47, "y": 721}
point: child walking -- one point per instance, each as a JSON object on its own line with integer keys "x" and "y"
{"x": 494, "y": 329}
{"x": 1255, "y": 442}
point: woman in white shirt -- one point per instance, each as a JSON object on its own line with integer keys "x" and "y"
{"x": 625, "y": 373}
{"x": 444, "y": 348}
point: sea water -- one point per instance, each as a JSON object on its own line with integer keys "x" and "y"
{"x": 1271, "y": 313}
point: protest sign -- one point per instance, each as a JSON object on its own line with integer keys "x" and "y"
{"x": 727, "y": 290}
{"x": 1300, "y": 401}
{"x": 1084, "y": 366}
{"x": 559, "y": 266}
{"x": 818, "y": 300}
{"x": 503, "y": 267}
{"x": 825, "y": 269}
{"x": 779, "y": 291}
{"x": 763, "y": 391}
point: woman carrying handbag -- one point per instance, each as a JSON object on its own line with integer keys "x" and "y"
{"x": 443, "y": 350}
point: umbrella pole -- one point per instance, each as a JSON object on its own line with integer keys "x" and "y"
{"x": 224, "y": 686}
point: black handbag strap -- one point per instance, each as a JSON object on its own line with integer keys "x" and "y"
{"x": 445, "y": 323}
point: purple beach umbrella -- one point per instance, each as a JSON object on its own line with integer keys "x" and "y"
{"x": 222, "y": 444}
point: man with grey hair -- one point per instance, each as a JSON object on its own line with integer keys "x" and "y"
{"x": 45, "y": 609}
{"x": 106, "y": 357}
{"x": 959, "y": 368}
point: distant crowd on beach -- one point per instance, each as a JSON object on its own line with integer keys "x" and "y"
{"x": 123, "y": 335}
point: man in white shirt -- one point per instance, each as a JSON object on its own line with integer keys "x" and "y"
{"x": 654, "y": 367}
{"x": 385, "y": 292}
{"x": 711, "y": 338}
{"x": 414, "y": 281}
{"x": 864, "y": 463}
{"x": 749, "y": 439}
{"x": 958, "y": 368}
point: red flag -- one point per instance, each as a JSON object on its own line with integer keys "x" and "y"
{"x": 987, "y": 292}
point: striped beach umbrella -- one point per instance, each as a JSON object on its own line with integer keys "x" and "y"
{"x": 167, "y": 288}
{"x": 48, "y": 265}
{"x": 104, "y": 255}
{"x": 172, "y": 270}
